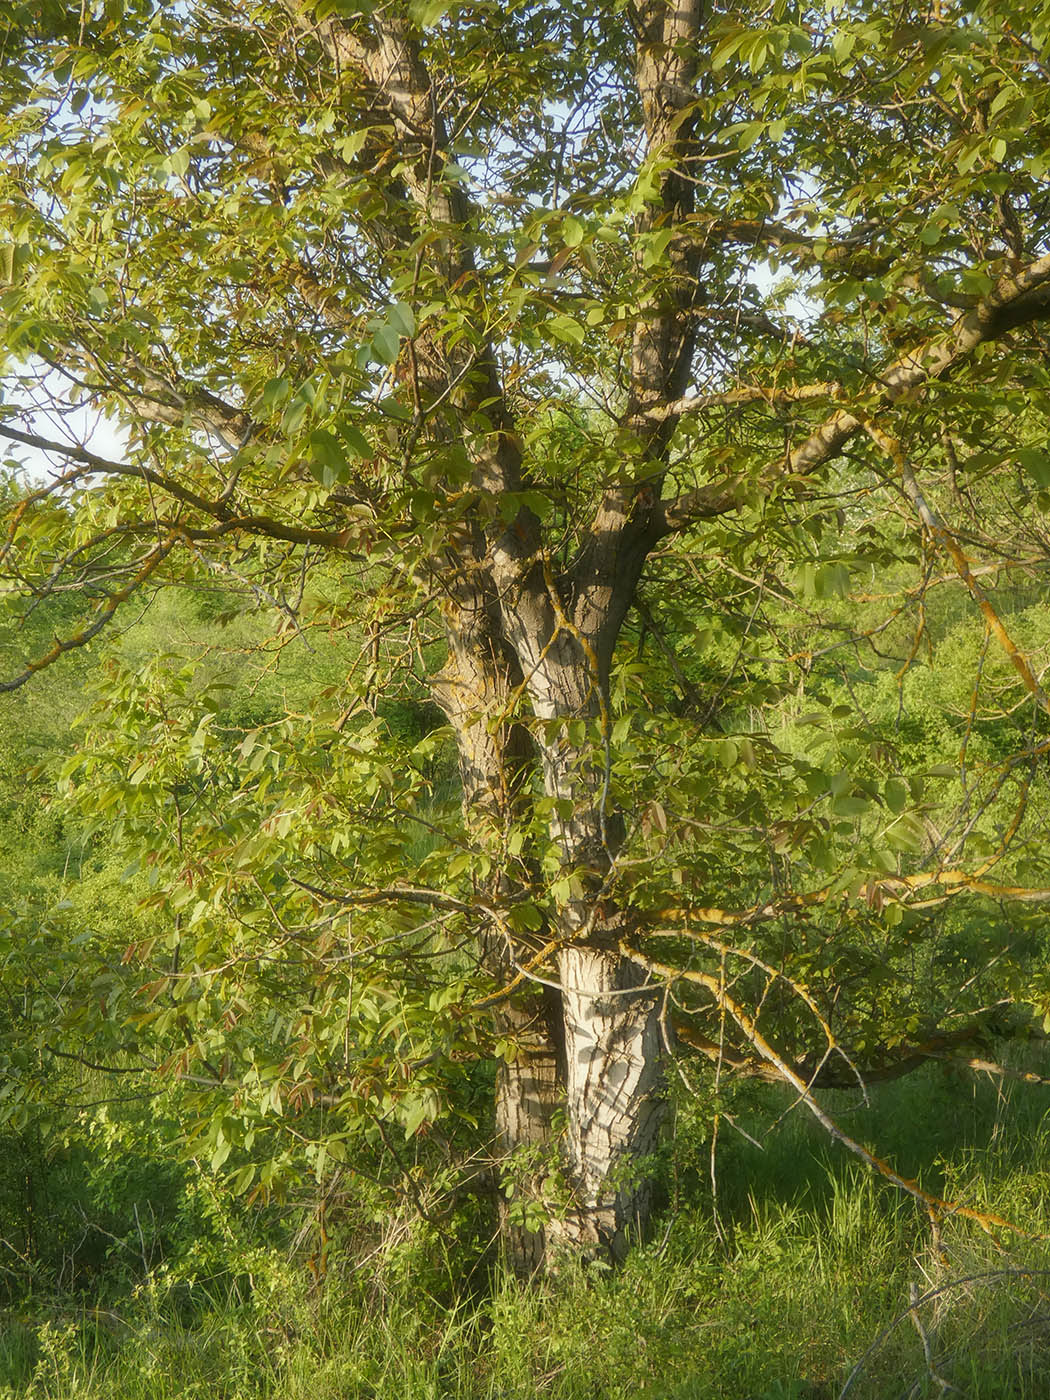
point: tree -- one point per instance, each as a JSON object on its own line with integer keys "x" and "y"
{"x": 456, "y": 328}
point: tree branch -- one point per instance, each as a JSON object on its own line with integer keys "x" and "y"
{"x": 789, "y": 1074}
{"x": 744, "y": 394}
{"x": 832, "y": 1074}
{"x": 107, "y": 611}
{"x": 219, "y": 509}
{"x": 626, "y": 524}
{"x": 1017, "y": 299}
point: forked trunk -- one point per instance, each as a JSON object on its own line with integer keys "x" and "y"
{"x": 593, "y": 1048}
{"x": 514, "y": 628}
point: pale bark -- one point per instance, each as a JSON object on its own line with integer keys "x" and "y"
{"x": 612, "y": 1075}
{"x": 613, "y": 1079}
{"x": 612, "y": 1043}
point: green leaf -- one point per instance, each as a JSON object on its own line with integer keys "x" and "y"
{"x": 348, "y": 9}
{"x": 242, "y": 1179}
{"x": 748, "y": 133}
{"x": 414, "y": 1113}
{"x": 832, "y": 580}
{"x": 564, "y": 328}
{"x": 728, "y": 753}
{"x": 1036, "y": 463}
{"x": 896, "y": 795}
{"x": 393, "y": 408}
{"x": 293, "y": 416}
{"x": 843, "y": 42}
{"x": 351, "y": 146}
{"x": 727, "y": 48}
{"x": 906, "y": 833}
{"x": 221, "y": 1152}
{"x": 329, "y": 464}
{"x": 428, "y": 13}
{"x": 656, "y": 245}
{"x": 572, "y": 232}
{"x": 356, "y": 442}
{"x": 525, "y": 918}
{"x": 849, "y": 806}
{"x": 275, "y": 391}
{"x": 401, "y": 319}
{"x": 386, "y": 344}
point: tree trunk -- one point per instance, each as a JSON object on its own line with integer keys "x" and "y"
{"x": 613, "y": 1075}
{"x": 612, "y": 1051}
{"x": 475, "y": 690}
{"x": 512, "y": 627}
{"x": 529, "y": 1092}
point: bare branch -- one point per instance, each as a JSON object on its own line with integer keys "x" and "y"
{"x": 396, "y": 894}
{"x": 944, "y": 537}
{"x": 936, "y": 1206}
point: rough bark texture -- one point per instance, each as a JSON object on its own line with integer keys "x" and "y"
{"x": 612, "y": 1052}
{"x": 612, "y": 1047}
{"x": 475, "y": 690}
{"x": 517, "y": 632}
{"x": 529, "y": 1092}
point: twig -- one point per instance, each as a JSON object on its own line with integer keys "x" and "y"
{"x": 927, "y": 1349}
{"x": 928, "y": 1297}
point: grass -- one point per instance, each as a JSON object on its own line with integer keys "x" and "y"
{"x": 803, "y": 1293}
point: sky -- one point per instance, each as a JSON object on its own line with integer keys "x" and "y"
{"x": 45, "y": 409}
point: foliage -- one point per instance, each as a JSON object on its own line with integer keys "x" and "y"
{"x": 601, "y": 613}
{"x": 814, "y": 1266}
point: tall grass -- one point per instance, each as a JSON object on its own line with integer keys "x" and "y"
{"x": 818, "y": 1282}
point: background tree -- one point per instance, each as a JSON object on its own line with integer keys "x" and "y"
{"x": 447, "y": 332}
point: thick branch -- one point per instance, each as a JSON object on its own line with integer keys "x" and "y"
{"x": 613, "y": 552}
{"x": 397, "y": 894}
{"x": 385, "y": 52}
{"x": 157, "y": 398}
{"x": 852, "y": 251}
{"x": 1016, "y": 300}
{"x": 105, "y": 466}
{"x": 744, "y": 394}
{"x": 163, "y": 402}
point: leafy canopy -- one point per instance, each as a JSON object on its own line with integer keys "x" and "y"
{"x": 366, "y": 339}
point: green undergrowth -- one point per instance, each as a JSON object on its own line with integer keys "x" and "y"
{"x": 811, "y": 1279}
